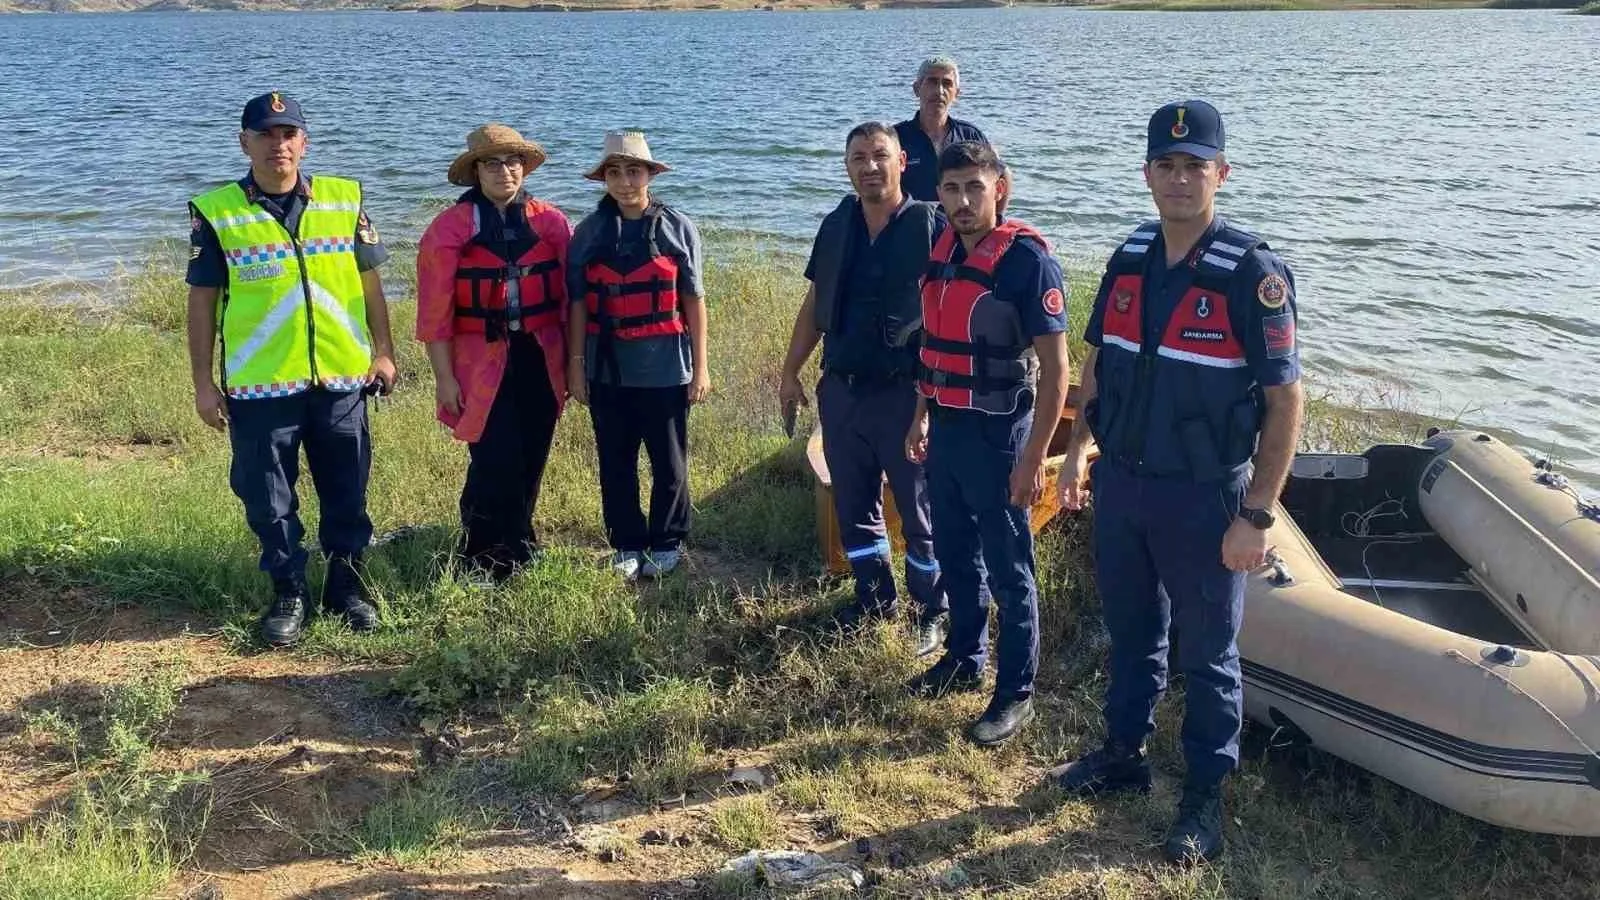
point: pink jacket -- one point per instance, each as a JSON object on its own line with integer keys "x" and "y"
{"x": 479, "y": 364}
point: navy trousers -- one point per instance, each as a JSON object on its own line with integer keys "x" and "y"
{"x": 266, "y": 435}
{"x": 1158, "y": 560}
{"x": 984, "y": 543}
{"x": 658, "y": 419}
{"x": 863, "y": 440}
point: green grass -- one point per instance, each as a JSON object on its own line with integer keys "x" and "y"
{"x": 746, "y": 823}
{"x": 422, "y": 824}
{"x": 119, "y": 734}
{"x": 85, "y": 854}
{"x": 109, "y": 484}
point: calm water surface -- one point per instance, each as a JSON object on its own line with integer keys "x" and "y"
{"x": 1433, "y": 177}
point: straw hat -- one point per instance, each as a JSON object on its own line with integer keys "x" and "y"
{"x": 491, "y": 140}
{"x": 628, "y": 145}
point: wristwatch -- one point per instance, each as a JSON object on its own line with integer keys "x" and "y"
{"x": 1260, "y": 518}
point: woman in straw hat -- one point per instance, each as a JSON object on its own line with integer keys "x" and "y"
{"x": 492, "y": 308}
{"x": 637, "y": 330}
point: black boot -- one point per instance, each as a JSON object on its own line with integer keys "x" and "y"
{"x": 946, "y": 676}
{"x": 344, "y": 595}
{"x": 856, "y": 616}
{"x": 285, "y": 619}
{"x": 1004, "y": 718}
{"x": 1112, "y": 768}
{"x": 1197, "y": 834}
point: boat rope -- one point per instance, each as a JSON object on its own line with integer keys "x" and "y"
{"x": 1359, "y": 526}
{"x": 1550, "y": 478}
{"x": 1453, "y": 653}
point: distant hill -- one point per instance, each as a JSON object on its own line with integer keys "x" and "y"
{"x": 49, "y": 6}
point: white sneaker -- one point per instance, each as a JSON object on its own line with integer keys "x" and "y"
{"x": 659, "y": 563}
{"x": 626, "y": 564}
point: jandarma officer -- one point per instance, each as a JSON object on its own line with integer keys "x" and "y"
{"x": 283, "y": 267}
{"x": 992, "y": 380}
{"x": 1193, "y": 375}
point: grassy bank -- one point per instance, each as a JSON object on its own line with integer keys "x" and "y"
{"x": 498, "y": 707}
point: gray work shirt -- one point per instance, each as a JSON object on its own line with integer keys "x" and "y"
{"x": 662, "y": 361}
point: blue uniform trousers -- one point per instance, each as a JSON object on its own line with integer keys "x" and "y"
{"x": 984, "y": 544}
{"x": 863, "y": 440}
{"x": 266, "y": 435}
{"x": 1158, "y": 561}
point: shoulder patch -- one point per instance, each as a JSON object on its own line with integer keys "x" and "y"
{"x": 1053, "y": 301}
{"x": 194, "y": 223}
{"x": 1277, "y": 332}
{"x": 1273, "y": 291}
{"x": 365, "y": 233}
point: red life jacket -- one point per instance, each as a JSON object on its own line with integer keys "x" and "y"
{"x": 638, "y": 303}
{"x": 498, "y": 254}
{"x": 974, "y": 351}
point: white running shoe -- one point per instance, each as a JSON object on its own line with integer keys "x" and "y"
{"x": 625, "y": 563}
{"x": 659, "y": 563}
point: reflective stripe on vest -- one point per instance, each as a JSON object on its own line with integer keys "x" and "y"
{"x": 1187, "y": 405}
{"x": 490, "y": 262}
{"x": 639, "y": 303}
{"x": 294, "y": 313}
{"x": 974, "y": 352}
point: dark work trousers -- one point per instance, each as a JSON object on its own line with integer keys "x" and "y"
{"x": 984, "y": 543}
{"x": 1158, "y": 561}
{"x": 658, "y": 418}
{"x": 507, "y": 462}
{"x": 266, "y": 435}
{"x": 863, "y": 440}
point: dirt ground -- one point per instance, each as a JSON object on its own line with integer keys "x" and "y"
{"x": 297, "y": 746}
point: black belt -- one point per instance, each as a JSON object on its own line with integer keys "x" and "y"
{"x": 867, "y": 379}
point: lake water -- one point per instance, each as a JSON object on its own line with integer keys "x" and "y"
{"x": 1433, "y": 177}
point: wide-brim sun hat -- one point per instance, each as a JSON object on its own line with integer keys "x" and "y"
{"x": 494, "y": 139}
{"x": 629, "y": 146}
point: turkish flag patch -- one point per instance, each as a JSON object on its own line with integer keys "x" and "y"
{"x": 1278, "y": 333}
{"x": 1054, "y": 302}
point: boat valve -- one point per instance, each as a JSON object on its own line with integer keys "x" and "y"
{"x": 1503, "y": 655}
{"x": 1281, "y": 576}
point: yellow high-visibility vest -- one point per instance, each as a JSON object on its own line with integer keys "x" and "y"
{"x": 293, "y": 314}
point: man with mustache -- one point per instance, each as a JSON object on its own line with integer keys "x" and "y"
{"x": 283, "y": 267}
{"x": 993, "y": 377}
{"x": 1193, "y": 376}
{"x": 925, "y": 135}
{"x": 864, "y": 306}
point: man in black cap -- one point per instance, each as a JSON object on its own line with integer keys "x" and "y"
{"x": 1191, "y": 390}
{"x": 283, "y": 268}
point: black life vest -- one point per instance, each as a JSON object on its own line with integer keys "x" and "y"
{"x": 1187, "y": 405}
{"x": 892, "y": 309}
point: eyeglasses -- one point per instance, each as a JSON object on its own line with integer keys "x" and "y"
{"x": 495, "y": 162}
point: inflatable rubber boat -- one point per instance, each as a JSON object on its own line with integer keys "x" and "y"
{"x": 1431, "y": 613}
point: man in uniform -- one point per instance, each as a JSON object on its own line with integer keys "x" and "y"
{"x": 865, "y": 307}
{"x": 925, "y": 135}
{"x": 993, "y": 377}
{"x": 1193, "y": 373}
{"x": 283, "y": 267}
